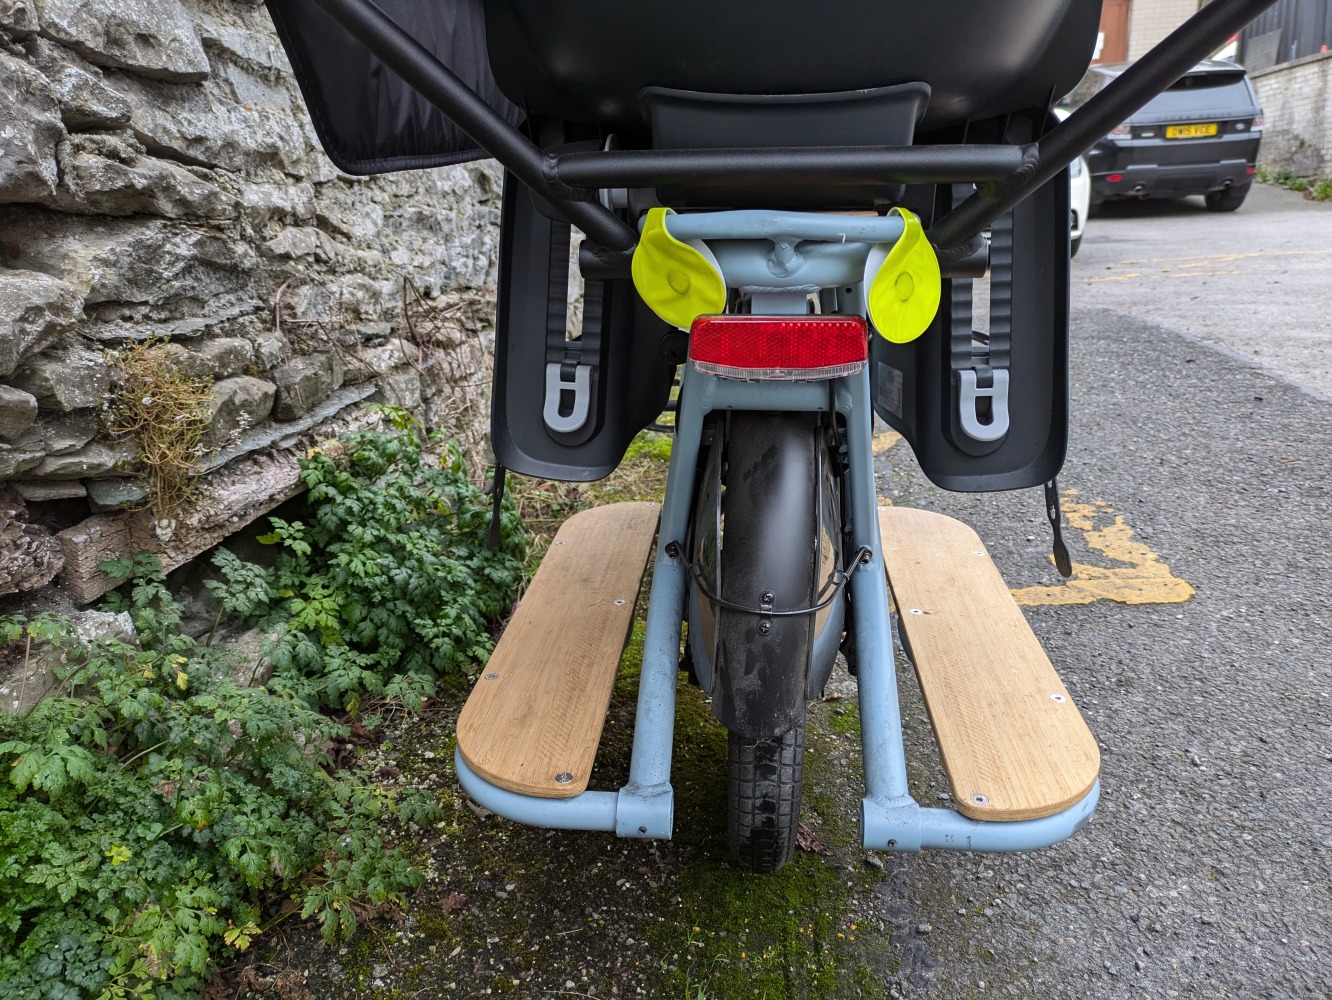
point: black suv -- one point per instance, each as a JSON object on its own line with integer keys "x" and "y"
{"x": 1199, "y": 137}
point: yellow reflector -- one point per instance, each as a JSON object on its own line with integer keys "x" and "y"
{"x": 679, "y": 281}
{"x": 903, "y": 284}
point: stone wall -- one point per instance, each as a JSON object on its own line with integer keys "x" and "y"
{"x": 1296, "y": 98}
{"x": 160, "y": 181}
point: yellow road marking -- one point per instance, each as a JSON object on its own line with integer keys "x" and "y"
{"x": 1118, "y": 277}
{"x": 1244, "y": 255}
{"x": 1194, "y": 271}
{"x": 884, "y": 440}
{"x": 1143, "y": 577}
{"x": 1193, "y": 266}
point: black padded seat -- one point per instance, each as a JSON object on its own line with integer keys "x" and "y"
{"x": 589, "y": 60}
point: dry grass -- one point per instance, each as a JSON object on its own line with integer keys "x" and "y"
{"x": 165, "y": 410}
{"x": 545, "y": 504}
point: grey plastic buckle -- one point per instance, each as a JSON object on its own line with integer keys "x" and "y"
{"x": 969, "y": 392}
{"x": 556, "y": 386}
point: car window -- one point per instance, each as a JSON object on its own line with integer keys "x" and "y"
{"x": 1087, "y": 88}
{"x": 1202, "y": 93}
{"x": 1207, "y": 81}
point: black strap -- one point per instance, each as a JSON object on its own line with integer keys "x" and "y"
{"x": 496, "y": 500}
{"x": 1052, "y": 511}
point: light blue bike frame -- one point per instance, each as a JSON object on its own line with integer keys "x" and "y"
{"x": 778, "y": 256}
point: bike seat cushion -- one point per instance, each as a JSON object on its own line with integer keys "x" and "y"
{"x": 589, "y": 60}
{"x": 597, "y": 62}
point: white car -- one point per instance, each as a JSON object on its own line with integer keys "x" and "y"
{"x": 1079, "y": 200}
{"x": 1079, "y": 195}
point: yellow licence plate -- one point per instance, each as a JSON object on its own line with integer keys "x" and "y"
{"x": 1190, "y": 131}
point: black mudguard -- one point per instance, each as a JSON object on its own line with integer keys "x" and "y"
{"x": 772, "y": 538}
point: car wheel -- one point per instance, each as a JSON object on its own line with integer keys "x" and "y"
{"x": 1073, "y": 246}
{"x": 1226, "y": 201}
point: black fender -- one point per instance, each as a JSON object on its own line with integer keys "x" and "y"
{"x": 767, "y": 535}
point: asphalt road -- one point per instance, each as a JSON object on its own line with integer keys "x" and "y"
{"x": 1202, "y": 398}
{"x": 1257, "y": 281}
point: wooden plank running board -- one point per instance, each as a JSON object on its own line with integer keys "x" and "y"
{"x": 1014, "y": 745}
{"x": 538, "y": 708}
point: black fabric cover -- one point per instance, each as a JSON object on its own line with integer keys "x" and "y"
{"x": 368, "y": 120}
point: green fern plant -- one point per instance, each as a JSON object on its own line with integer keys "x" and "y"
{"x": 155, "y": 817}
{"x": 387, "y": 583}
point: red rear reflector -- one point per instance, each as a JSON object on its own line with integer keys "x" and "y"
{"x": 1252, "y": 169}
{"x": 786, "y": 348}
{"x": 1115, "y": 178}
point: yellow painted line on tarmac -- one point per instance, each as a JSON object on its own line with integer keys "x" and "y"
{"x": 884, "y": 440}
{"x": 1202, "y": 266}
{"x": 1195, "y": 272}
{"x": 1217, "y": 257}
{"x": 1141, "y": 576}
{"x": 1190, "y": 265}
{"x": 1116, "y": 277}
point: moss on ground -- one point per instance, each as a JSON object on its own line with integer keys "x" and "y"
{"x": 734, "y": 934}
{"x": 844, "y": 719}
{"x": 649, "y": 446}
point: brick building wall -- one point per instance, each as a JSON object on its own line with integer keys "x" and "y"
{"x": 1151, "y": 20}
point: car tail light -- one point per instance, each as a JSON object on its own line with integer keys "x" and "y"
{"x": 780, "y": 348}
{"x": 1125, "y": 129}
{"x": 1257, "y": 122}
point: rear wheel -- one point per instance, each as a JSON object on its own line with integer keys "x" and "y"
{"x": 768, "y": 535}
{"x": 763, "y": 798}
{"x": 1226, "y": 201}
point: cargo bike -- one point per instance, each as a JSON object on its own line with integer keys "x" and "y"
{"x": 787, "y": 204}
